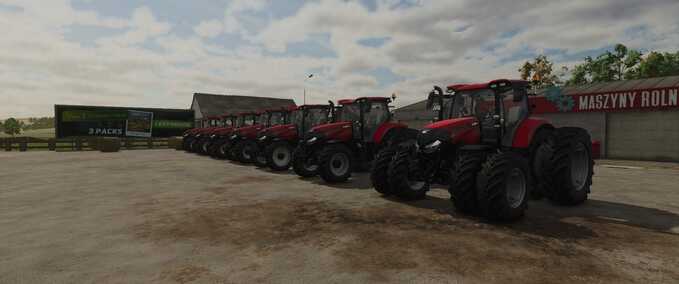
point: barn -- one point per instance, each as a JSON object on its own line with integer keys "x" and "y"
{"x": 633, "y": 119}
{"x": 209, "y": 105}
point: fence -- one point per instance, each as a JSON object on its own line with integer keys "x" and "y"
{"x": 79, "y": 144}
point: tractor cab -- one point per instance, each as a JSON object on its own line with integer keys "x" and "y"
{"x": 365, "y": 115}
{"x": 497, "y": 108}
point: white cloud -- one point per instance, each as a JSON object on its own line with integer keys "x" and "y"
{"x": 433, "y": 42}
{"x": 209, "y": 29}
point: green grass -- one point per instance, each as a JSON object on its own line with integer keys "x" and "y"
{"x": 40, "y": 133}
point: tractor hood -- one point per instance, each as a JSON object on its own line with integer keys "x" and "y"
{"x": 454, "y": 131}
{"x": 336, "y": 131}
{"x": 223, "y": 131}
{"x": 283, "y": 132}
{"x": 249, "y": 132}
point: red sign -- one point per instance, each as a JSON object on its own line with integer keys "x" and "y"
{"x": 649, "y": 99}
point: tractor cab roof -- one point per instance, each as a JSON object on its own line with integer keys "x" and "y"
{"x": 249, "y": 113}
{"x": 488, "y": 85}
{"x": 212, "y": 118}
{"x": 312, "y": 106}
{"x": 371, "y": 99}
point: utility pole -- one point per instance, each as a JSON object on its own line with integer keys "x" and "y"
{"x": 305, "y": 79}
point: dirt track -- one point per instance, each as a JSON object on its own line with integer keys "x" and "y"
{"x": 167, "y": 216}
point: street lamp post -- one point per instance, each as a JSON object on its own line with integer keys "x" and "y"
{"x": 305, "y": 79}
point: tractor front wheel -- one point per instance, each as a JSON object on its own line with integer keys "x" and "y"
{"x": 278, "y": 155}
{"x": 406, "y": 176}
{"x": 463, "y": 191}
{"x": 335, "y": 163}
{"x": 504, "y": 184}
{"x": 571, "y": 168}
{"x": 379, "y": 175}
{"x": 303, "y": 164}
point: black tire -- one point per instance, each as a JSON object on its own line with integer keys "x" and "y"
{"x": 571, "y": 167}
{"x": 214, "y": 147}
{"x": 462, "y": 189}
{"x": 303, "y": 164}
{"x": 540, "y": 153}
{"x": 247, "y": 151}
{"x": 400, "y": 175}
{"x": 335, "y": 163}
{"x": 186, "y": 143}
{"x": 260, "y": 159}
{"x": 379, "y": 175}
{"x": 223, "y": 150}
{"x": 502, "y": 176}
{"x": 204, "y": 147}
{"x": 273, "y": 154}
{"x": 193, "y": 148}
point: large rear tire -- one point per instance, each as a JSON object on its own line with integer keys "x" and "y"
{"x": 335, "y": 163}
{"x": 571, "y": 167}
{"x": 379, "y": 175}
{"x": 463, "y": 190}
{"x": 404, "y": 175}
{"x": 504, "y": 183}
{"x": 540, "y": 153}
{"x": 247, "y": 151}
{"x": 304, "y": 165}
{"x": 279, "y": 155}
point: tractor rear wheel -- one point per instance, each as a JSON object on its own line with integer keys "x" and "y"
{"x": 278, "y": 155}
{"x": 193, "y": 147}
{"x": 304, "y": 165}
{"x": 223, "y": 150}
{"x": 335, "y": 163}
{"x": 204, "y": 147}
{"x": 247, "y": 150}
{"x": 260, "y": 160}
{"x": 571, "y": 167}
{"x": 504, "y": 184}
{"x": 540, "y": 153}
{"x": 463, "y": 190}
{"x": 379, "y": 173}
{"x": 405, "y": 175}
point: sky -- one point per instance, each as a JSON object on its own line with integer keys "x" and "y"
{"x": 157, "y": 53}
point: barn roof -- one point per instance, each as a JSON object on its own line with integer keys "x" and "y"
{"x": 214, "y": 104}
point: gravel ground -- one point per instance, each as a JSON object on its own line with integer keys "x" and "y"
{"x": 171, "y": 217}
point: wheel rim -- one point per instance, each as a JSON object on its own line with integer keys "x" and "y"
{"x": 579, "y": 166}
{"x": 222, "y": 150}
{"x": 415, "y": 181}
{"x": 281, "y": 156}
{"x": 339, "y": 164}
{"x": 516, "y": 188}
{"x": 205, "y": 147}
{"x": 261, "y": 159}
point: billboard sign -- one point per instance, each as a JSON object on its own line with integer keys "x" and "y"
{"x": 555, "y": 100}
{"x": 74, "y": 121}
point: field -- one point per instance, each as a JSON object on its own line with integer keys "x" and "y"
{"x": 165, "y": 216}
{"x": 39, "y": 133}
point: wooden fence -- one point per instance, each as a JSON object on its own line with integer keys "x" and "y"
{"x": 78, "y": 144}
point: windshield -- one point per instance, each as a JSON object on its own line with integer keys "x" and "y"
{"x": 466, "y": 103}
{"x": 350, "y": 112}
{"x": 246, "y": 120}
{"x": 315, "y": 116}
{"x": 296, "y": 117}
{"x": 276, "y": 118}
{"x": 228, "y": 122}
{"x": 263, "y": 119}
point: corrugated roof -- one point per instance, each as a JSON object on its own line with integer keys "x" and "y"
{"x": 213, "y": 104}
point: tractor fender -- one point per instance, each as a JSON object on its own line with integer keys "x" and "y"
{"x": 392, "y": 130}
{"x": 523, "y": 135}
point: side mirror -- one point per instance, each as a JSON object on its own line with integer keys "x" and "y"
{"x": 430, "y": 100}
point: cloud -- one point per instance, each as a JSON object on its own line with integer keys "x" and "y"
{"x": 144, "y": 59}
{"x": 209, "y": 29}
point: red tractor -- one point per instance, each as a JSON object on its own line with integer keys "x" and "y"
{"x": 192, "y": 141}
{"x": 276, "y": 143}
{"x": 497, "y": 151}
{"x": 362, "y": 127}
{"x": 244, "y": 140}
{"x": 212, "y": 138}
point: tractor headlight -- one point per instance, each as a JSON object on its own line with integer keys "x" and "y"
{"x": 431, "y": 147}
{"x": 312, "y": 140}
{"x": 213, "y": 136}
{"x": 234, "y": 136}
{"x": 262, "y": 138}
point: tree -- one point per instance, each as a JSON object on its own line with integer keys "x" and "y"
{"x": 12, "y": 126}
{"x": 539, "y": 72}
{"x": 657, "y": 64}
{"x": 619, "y": 64}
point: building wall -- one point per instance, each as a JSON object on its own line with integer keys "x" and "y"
{"x": 649, "y": 135}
